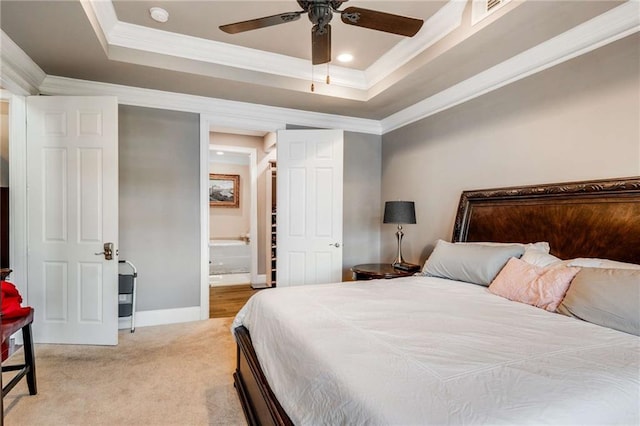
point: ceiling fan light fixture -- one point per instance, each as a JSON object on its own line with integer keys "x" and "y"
{"x": 345, "y": 57}
{"x": 159, "y": 14}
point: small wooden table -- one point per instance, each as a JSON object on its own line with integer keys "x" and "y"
{"x": 28, "y": 368}
{"x": 372, "y": 271}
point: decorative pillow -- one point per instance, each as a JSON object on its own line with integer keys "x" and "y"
{"x": 530, "y": 284}
{"x": 473, "y": 263}
{"x": 593, "y": 262}
{"x": 607, "y": 297}
{"x": 537, "y": 258}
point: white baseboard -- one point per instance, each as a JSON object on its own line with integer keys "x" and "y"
{"x": 161, "y": 317}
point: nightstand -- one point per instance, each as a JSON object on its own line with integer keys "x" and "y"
{"x": 372, "y": 271}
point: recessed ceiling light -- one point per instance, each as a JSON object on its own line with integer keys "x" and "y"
{"x": 219, "y": 153}
{"x": 345, "y": 57}
{"x": 159, "y": 14}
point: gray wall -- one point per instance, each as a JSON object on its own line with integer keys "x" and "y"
{"x": 159, "y": 204}
{"x": 362, "y": 212}
{"x": 578, "y": 120}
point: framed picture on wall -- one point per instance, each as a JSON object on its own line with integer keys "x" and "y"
{"x": 224, "y": 190}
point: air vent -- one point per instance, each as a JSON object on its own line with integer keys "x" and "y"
{"x": 483, "y": 8}
{"x": 492, "y": 3}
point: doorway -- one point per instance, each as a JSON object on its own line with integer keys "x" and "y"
{"x": 236, "y": 236}
{"x": 235, "y": 124}
{"x": 233, "y": 218}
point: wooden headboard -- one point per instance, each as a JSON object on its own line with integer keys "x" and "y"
{"x": 598, "y": 218}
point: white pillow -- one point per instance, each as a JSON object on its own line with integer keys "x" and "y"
{"x": 541, "y": 246}
{"x": 537, "y": 258}
{"x": 593, "y": 262}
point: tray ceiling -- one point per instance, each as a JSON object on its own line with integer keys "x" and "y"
{"x": 117, "y": 42}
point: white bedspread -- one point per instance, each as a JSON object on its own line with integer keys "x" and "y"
{"x": 423, "y": 350}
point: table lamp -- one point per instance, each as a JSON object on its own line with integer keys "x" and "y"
{"x": 399, "y": 212}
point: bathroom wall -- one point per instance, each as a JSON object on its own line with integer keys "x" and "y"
{"x": 229, "y": 223}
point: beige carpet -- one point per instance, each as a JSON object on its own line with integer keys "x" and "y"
{"x": 177, "y": 374}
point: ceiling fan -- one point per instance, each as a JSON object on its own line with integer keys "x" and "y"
{"x": 320, "y": 13}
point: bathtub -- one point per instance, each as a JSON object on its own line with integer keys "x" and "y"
{"x": 229, "y": 262}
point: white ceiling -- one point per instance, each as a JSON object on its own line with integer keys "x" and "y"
{"x": 228, "y": 157}
{"x": 117, "y": 42}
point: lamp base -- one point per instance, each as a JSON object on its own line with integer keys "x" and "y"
{"x": 399, "y": 260}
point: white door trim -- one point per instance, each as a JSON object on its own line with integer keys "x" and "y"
{"x": 204, "y": 218}
{"x": 18, "y": 192}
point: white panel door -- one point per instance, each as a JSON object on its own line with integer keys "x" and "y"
{"x": 72, "y": 195}
{"x": 309, "y": 207}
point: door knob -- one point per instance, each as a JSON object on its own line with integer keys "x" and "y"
{"x": 335, "y": 244}
{"x": 108, "y": 251}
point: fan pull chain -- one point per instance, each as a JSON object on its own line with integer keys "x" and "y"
{"x": 328, "y": 78}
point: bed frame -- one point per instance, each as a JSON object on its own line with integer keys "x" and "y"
{"x": 580, "y": 219}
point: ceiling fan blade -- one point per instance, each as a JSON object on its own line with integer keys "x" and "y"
{"x": 320, "y": 45}
{"x": 254, "y": 24}
{"x": 381, "y": 21}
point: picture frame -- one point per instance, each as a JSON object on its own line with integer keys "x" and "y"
{"x": 224, "y": 190}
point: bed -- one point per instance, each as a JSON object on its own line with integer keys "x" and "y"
{"x": 429, "y": 350}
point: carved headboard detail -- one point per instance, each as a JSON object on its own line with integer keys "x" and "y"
{"x": 599, "y": 218}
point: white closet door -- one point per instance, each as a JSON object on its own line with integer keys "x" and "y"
{"x": 309, "y": 207}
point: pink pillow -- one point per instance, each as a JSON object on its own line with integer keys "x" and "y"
{"x": 526, "y": 283}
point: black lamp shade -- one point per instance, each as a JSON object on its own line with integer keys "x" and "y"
{"x": 399, "y": 212}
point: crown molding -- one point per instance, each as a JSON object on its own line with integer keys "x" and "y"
{"x": 102, "y": 22}
{"x": 613, "y": 25}
{"x": 199, "y": 57}
{"x": 187, "y": 51}
{"x": 230, "y": 112}
{"x": 18, "y": 72}
{"x": 441, "y": 24}
{"x": 104, "y": 13}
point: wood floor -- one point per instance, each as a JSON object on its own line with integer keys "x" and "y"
{"x": 226, "y": 301}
